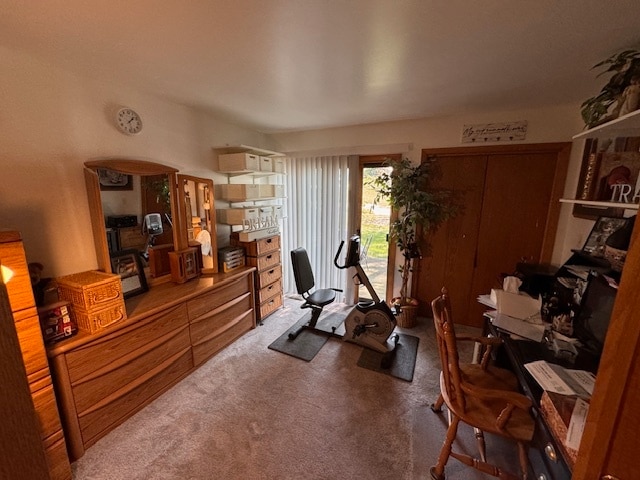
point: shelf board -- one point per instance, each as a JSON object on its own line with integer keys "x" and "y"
{"x": 252, "y": 173}
{"x": 626, "y": 126}
{"x": 594, "y": 203}
{"x": 246, "y": 149}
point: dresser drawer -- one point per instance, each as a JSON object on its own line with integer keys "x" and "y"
{"x": 267, "y": 277}
{"x": 126, "y": 371}
{"x": 19, "y": 288}
{"x": 57, "y": 458}
{"x": 269, "y": 291}
{"x": 211, "y": 300}
{"x": 106, "y": 415}
{"x": 99, "y": 354}
{"x": 212, "y": 324}
{"x": 210, "y": 345}
{"x": 265, "y": 262}
{"x": 262, "y": 246}
{"x": 44, "y": 401}
{"x": 31, "y": 344}
{"x": 542, "y": 451}
{"x": 270, "y": 306}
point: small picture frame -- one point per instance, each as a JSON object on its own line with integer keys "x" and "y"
{"x": 112, "y": 180}
{"x": 601, "y": 230}
{"x": 127, "y": 264}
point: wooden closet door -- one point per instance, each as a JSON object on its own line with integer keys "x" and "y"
{"x": 449, "y": 261}
{"x": 513, "y": 224}
{"x": 510, "y": 206}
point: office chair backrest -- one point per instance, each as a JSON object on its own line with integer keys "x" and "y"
{"x": 302, "y": 271}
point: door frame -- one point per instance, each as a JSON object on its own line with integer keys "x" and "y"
{"x": 373, "y": 161}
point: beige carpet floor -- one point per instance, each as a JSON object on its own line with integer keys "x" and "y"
{"x": 252, "y": 413}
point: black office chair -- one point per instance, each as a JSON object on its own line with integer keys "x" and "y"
{"x": 317, "y": 299}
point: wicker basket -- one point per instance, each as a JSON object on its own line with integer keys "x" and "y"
{"x": 97, "y": 320}
{"x": 407, "y": 316}
{"x": 90, "y": 290}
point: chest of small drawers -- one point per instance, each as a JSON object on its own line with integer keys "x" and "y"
{"x": 264, "y": 254}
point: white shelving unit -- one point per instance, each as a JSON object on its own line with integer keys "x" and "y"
{"x": 247, "y": 193}
{"x": 626, "y": 126}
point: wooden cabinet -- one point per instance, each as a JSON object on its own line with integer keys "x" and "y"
{"x": 509, "y": 197}
{"x": 27, "y": 325}
{"x": 264, "y": 254}
{"x": 608, "y": 448}
{"x": 106, "y": 377}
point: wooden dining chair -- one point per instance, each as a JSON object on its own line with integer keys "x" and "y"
{"x": 479, "y": 395}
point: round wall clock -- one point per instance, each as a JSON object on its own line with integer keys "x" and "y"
{"x": 128, "y": 121}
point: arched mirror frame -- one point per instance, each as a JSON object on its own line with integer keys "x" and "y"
{"x": 128, "y": 167}
{"x": 210, "y": 220}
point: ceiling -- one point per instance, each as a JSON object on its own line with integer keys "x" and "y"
{"x": 281, "y": 65}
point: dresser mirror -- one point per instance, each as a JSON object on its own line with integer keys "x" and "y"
{"x": 198, "y": 219}
{"x": 132, "y": 204}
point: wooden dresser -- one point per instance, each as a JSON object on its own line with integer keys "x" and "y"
{"x": 105, "y": 377}
{"x": 25, "y": 315}
{"x": 264, "y": 254}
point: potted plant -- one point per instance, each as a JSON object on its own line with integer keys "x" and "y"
{"x": 421, "y": 210}
{"x": 615, "y": 97}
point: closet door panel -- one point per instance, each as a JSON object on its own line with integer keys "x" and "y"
{"x": 450, "y": 260}
{"x": 513, "y": 223}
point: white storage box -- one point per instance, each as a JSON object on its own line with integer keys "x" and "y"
{"x": 266, "y": 164}
{"x": 278, "y": 165}
{"x": 239, "y": 162}
{"x": 271, "y": 191}
{"x": 277, "y": 212}
{"x": 240, "y": 192}
{"x": 237, "y": 216}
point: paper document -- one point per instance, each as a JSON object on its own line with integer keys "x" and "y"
{"x": 519, "y": 327}
{"x": 554, "y": 378}
{"x": 576, "y": 424}
{"x": 486, "y": 300}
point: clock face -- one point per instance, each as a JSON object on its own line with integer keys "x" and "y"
{"x": 129, "y": 121}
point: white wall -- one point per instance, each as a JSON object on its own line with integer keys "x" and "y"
{"x": 52, "y": 121}
{"x": 557, "y": 124}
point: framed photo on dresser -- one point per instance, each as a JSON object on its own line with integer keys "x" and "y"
{"x": 127, "y": 264}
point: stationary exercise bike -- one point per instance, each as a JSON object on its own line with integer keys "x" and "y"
{"x": 370, "y": 323}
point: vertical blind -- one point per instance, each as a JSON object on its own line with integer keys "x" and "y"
{"x": 317, "y": 218}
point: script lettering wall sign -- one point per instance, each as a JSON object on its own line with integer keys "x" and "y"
{"x": 494, "y": 132}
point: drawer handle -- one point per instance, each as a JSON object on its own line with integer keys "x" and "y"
{"x": 270, "y": 287}
{"x": 271, "y": 272}
{"x": 551, "y": 452}
{"x": 269, "y": 257}
{"x": 269, "y": 241}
